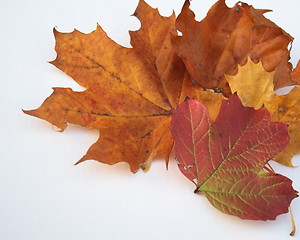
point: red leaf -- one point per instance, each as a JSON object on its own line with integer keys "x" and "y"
{"x": 225, "y": 159}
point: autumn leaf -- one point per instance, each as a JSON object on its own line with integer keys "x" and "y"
{"x": 225, "y": 38}
{"x": 225, "y": 159}
{"x": 254, "y": 86}
{"x": 129, "y": 91}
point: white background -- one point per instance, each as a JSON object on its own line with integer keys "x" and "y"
{"x": 43, "y": 196}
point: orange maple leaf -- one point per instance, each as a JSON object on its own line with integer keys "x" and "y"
{"x": 225, "y": 38}
{"x": 130, "y": 91}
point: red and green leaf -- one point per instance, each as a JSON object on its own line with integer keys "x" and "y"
{"x": 225, "y": 159}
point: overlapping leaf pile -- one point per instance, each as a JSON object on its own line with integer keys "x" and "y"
{"x": 133, "y": 94}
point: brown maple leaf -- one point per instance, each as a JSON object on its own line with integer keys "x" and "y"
{"x": 225, "y": 159}
{"x": 254, "y": 86}
{"x": 225, "y": 38}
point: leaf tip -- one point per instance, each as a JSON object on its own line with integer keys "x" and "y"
{"x": 186, "y": 8}
{"x": 141, "y": 5}
{"x": 25, "y": 111}
{"x": 52, "y": 62}
{"x": 80, "y": 160}
{"x": 187, "y": 3}
{"x": 55, "y": 31}
{"x": 29, "y": 112}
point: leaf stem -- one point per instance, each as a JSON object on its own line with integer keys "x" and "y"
{"x": 293, "y": 222}
{"x": 269, "y": 168}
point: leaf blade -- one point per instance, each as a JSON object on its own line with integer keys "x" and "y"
{"x": 228, "y": 168}
{"x": 129, "y": 91}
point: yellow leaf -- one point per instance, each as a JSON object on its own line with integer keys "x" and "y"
{"x": 253, "y": 84}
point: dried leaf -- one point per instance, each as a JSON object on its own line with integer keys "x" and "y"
{"x": 225, "y": 159}
{"x": 130, "y": 91}
{"x": 225, "y": 38}
{"x": 253, "y": 84}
